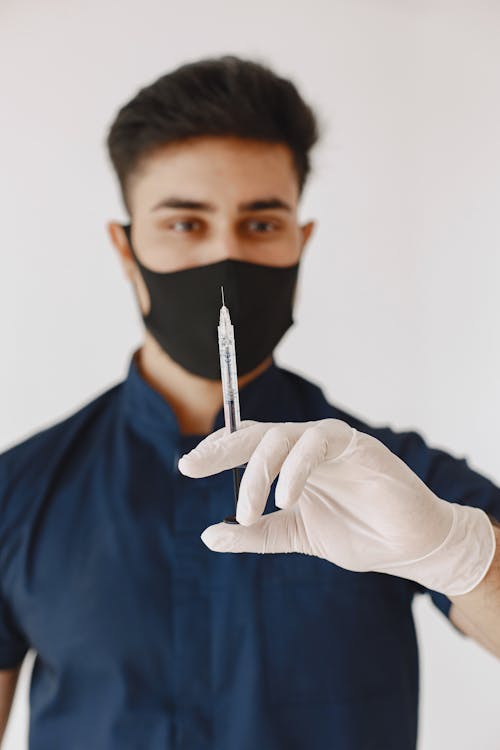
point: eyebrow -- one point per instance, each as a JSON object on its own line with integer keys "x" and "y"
{"x": 260, "y": 204}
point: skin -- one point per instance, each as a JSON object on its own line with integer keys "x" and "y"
{"x": 8, "y": 681}
{"x": 477, "y": 614}
{"x": 228, "y": 178}
{"x": 226, "y": 173}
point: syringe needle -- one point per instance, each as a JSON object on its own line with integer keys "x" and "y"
{"x": 222, "y": 291}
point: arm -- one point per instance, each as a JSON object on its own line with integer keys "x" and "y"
{"x": 477, "y": 614}
{"x": 8, "y": 681}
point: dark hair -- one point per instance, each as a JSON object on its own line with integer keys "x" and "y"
{"x": 223, "y": 96}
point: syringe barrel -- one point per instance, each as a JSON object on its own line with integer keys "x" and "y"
{"x": 229, "y": 377}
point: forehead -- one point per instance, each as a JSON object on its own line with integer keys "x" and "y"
{"x": 216, "y": 169}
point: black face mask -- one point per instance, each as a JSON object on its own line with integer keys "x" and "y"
{"x": 185, "y": 305}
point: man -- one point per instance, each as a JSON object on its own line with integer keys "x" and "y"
{"x": 145, "y": 639}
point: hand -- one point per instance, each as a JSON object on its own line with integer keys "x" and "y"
{"x": 345, "y": 497}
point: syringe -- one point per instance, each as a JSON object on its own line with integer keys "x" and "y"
{"x": 227, "y": 353}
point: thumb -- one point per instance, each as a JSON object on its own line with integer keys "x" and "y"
{"x": 274, "y": 532}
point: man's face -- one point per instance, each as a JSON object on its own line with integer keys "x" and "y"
{"x": 210, "y": 198}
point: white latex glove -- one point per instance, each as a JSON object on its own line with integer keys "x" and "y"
{"x": 344, "y": 497}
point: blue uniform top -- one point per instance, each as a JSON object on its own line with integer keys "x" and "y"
{"x": 147, "y": 640}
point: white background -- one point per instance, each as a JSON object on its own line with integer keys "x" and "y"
{"x": 398, "y": 310}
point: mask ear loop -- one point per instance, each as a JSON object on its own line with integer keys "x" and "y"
{"x": 127, "y": 228}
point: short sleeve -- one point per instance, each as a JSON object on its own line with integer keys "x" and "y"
{"x": 13, "y": 645}
{"x": 453, "y": 479}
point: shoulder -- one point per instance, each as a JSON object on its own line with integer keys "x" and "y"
{"x": 310, "y": 396}
{"x": 27, "y": 467}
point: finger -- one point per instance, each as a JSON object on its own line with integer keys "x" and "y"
{"x": 224, "y": 452}
{"x": 220, "y": 433}
{"x": 275, "y": 532}
{"x": 263, "y": 467}
{"x": 309, "y": 451}
{"x": 325, "y": 439}
{"x": 340, "y": 434}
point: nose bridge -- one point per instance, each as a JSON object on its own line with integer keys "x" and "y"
{"x": 226, "y": 244}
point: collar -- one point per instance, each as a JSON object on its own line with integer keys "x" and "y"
{"x": 266, "y": 398}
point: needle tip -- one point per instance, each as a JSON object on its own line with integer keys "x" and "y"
{"x": 222, "y": 292}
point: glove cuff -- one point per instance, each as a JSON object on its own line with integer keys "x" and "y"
{"x": 461, "y": 561}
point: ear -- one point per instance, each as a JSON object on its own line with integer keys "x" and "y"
{"x": 306, "y": 230}
{"x": 120, "y": 242}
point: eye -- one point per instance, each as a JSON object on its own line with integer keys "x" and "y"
{"x": 259, "y": 226}
{"x": 185, "y": 226}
